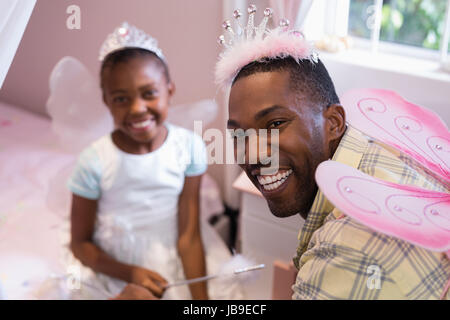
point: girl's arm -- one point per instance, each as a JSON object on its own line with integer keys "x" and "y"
{"x": 190, "y": 246}
{"x": 83, "y": 215}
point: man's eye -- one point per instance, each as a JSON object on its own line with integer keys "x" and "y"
{"x": 275, "y": 124}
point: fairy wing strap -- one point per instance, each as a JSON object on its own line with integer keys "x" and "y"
{"x": 414, "y": 130}
{"x": 413, "y": 214}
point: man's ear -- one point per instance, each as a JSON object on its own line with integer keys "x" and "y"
{"x": 334, "y": 122}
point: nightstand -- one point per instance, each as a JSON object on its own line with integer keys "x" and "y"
{"x": 264, "y": 237}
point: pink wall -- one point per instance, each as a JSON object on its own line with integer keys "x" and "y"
{"x": 186, "y": 30}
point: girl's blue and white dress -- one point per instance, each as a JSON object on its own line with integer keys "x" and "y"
{"x": 137, "y": 213}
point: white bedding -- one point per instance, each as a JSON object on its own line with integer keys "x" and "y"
{"x": 29, "y": 161}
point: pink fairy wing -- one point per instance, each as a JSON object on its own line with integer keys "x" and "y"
{"x": 418, "y": 216}
{"x": 414, "y": 130}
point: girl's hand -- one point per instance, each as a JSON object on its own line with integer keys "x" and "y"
{"x": 134, "y": 292}
{"x": 149, "y": 280}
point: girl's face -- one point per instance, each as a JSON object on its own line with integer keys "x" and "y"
{"x": 137, "y": 93}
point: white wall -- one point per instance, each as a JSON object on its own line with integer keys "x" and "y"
{"x": 418, "y": 82}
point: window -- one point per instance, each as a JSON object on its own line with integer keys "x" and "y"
{"x": 418, "y": 23}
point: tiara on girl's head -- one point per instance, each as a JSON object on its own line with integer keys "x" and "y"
{"x": 258, "y": 43}
{"x": 127, "y": 36}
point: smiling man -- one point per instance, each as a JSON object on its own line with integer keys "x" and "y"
{"x": 277, "y": 82}
{"x": 290, "y": 97}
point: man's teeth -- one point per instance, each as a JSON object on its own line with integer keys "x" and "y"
{"x": 274, "y": 181}
{"x": 139, "y": 125}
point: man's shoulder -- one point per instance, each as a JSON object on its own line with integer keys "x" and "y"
{"x": 417, "y": 272}
{"x": 389, "y": 164}
{"x": 389, "y": 251}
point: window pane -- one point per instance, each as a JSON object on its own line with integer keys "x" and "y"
{"x": 414, "y": 22}
{"x": 360, "y": 18}
{"x": 417, "y": 23}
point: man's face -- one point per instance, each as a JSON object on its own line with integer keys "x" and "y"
{"x": 264, "y": 100}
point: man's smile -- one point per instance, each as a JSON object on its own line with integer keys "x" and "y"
{"x": 271, "y": 183}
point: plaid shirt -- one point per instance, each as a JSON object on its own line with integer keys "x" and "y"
{"x": 339, "y": 258}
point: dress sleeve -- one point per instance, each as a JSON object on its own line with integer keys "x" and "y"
{"x": 198, "y": 158}
{"x": 85, "y": 179}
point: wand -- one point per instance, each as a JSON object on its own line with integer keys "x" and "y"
{"x": 206, "y": 278}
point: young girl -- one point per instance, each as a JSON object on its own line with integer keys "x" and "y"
{"x": 135, "y": 207}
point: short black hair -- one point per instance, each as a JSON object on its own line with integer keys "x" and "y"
{"x": 128, "y": 53}
{"x": 307, "y": 77}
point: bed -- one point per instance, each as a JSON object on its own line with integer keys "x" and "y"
{"x": 29, "y": 161}
{"x": 33, "y": 166}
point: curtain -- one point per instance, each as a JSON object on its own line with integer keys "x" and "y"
{"x": 14, "y": 16}
{"x": 293, "y": 10}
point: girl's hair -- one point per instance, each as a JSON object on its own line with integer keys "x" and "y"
{"x": 126, "y": 54}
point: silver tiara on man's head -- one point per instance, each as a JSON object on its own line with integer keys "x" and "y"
{"x": 128, "y": 36}
{"x": 256, "y": 43}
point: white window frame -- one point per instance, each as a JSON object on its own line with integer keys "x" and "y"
{"x": 446, "y": 36}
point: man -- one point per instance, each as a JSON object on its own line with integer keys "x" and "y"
{"x": 277, "y": 83}
{"x": 337, "y": 258}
